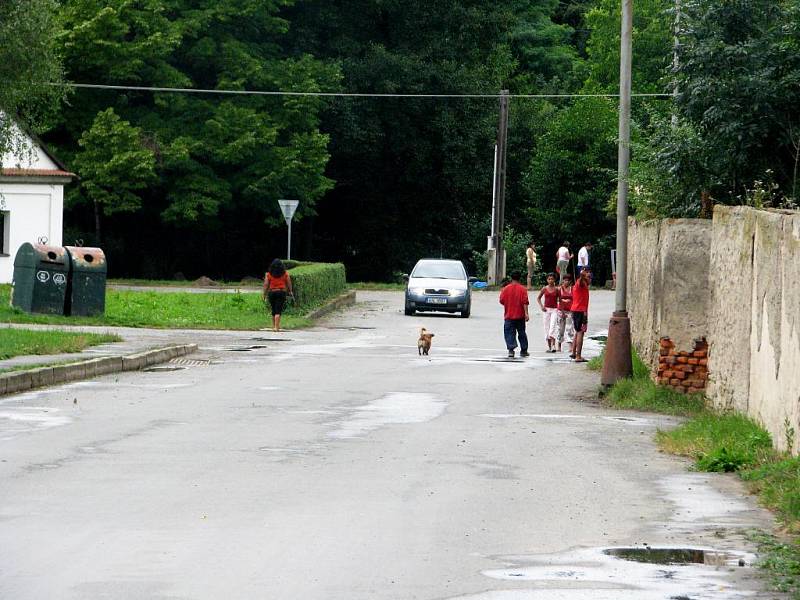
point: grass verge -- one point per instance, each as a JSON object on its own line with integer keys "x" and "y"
{"x": 641, "y": 393}
{"x": 729, "y": 442}
{"x": 780, "y": 558}
{"x": 18, "y": 342}
{"x": 127, "y": 308}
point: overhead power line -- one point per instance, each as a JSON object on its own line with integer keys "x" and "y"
{"x": 144, "y": 88}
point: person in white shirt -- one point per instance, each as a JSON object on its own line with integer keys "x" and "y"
{"x": 583, "y": 258}
{"x": 563, "y": 257}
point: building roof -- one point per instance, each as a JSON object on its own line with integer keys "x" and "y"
{"x": 36, "y": 173}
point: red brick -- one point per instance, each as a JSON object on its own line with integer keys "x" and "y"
{"x": 671, "y": 360}
{"x": 663, "y": 352}
{"x": 667, "y": 374}
{"x": 666, "y": 343}
{"x": 680, "y": 375}
{"x": 683, "y": 353}
{"x": 693, "y": 361}
{"x": 682, "y": 359}
{"x": 703, "y": 361}
{"x": 699, "y": 353}
{"x": 675, "y": 381}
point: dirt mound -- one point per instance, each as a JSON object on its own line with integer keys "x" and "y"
{"x": 205, "y": 282}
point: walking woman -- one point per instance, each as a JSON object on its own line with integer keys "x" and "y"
{"x": 277, "y": 285}
{"x": 550, "y": 309}
{"x": 530, "y": 262}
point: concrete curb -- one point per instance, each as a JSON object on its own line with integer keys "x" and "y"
{"x": 11, "y": 383}
{"x": 346, "y": 299}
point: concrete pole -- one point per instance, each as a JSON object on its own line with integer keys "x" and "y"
{"x": 618, "y": 363}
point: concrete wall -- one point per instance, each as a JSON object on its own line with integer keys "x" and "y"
{"x": 736, "y": 282}
{"x": 754, "y": 361}
{"x": 668, "y": 287}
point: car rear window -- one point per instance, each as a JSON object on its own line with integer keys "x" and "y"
{"x": 439, "y": 270}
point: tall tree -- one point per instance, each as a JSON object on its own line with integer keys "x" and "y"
{"x": 221, "y": 162}
{"x": 30, "y": 69}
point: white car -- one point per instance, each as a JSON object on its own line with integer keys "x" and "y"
{"x": 439, "y": 285}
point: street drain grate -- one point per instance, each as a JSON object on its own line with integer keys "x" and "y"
{"x": 190, "y": 362}
{"x": 674, "y": 556}
{"x": 163, "y": 369}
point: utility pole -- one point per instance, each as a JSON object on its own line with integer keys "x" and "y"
{"x": 497, "y": 255}
{"x": 618, "y": 363}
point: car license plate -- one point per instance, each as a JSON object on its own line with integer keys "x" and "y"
{"x": 437, "y": 300}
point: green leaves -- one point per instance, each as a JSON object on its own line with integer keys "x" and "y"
{"x": 114, "y": 163}
{"x": 28, "y": 62}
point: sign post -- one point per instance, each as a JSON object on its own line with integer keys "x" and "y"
{"x": 287, "y": 208}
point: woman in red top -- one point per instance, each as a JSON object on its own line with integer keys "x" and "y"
{"x": 550, "y": 309}
{"x": 277, "y": 284}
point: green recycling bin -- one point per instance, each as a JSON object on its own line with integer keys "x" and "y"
{"x": 87, "y": 292}
{"x": 41, "y": 275}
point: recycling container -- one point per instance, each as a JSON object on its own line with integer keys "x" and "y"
{"x": 41, "y": 276}
{"x": 87, "y": 291}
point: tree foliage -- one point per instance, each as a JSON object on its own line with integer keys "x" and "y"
{"x": 28, "y": 63}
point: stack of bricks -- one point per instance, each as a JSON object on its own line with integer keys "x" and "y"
{"x": 685, "y": 372}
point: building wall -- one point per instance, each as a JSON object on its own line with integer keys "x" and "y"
{"x": 668, "y": 287}
{"x": 744, "y": 299}
{"x": 34, "y": 210}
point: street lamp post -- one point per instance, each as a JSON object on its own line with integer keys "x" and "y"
{"x": 618, "y": 362}
{"x": 287, "y": 208}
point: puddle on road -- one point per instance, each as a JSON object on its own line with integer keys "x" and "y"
{"x": 621, "y": 574}
{"x": 396, "y": 408}
{"x": 245, "y": 348}
{"x": 675, "y": 556}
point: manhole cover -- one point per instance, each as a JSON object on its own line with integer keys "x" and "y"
{"x": 673, "y": 556}
{"x": 163, "y": 369}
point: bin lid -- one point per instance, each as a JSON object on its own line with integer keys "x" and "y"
{"x": 87, "y": 259}
{"x": 34, "y": 256}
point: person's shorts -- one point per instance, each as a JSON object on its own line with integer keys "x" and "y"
{"x": 580, "y": 320}
{"x": 530, "y": 270}
{"x": 277, "y": 301}
{"x": 562, "y": 266}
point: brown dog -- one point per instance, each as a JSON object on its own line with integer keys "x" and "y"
{"x": 424, "y": 342}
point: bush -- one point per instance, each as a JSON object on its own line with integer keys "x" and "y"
{"x": 314, "y": 283}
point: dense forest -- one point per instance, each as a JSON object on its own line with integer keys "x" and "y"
{"x": 188, "y": 182}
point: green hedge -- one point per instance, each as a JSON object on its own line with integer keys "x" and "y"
{"x": 316, "y": 283}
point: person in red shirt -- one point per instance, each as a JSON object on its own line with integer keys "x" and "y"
{"x": 277, "y": 284}
{"x": 514, "y": 298}
{"x": 580, "y": 312}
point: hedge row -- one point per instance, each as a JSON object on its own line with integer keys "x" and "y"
{"x": 316, "y": 283}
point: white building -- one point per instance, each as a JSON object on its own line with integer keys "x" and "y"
{"x": 31, "y": 202}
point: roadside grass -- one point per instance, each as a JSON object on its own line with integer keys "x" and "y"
{"x": 641, "y": 393}
{"x": 128, "y": 308}
{"x": 780, "y": 558}
{"x": 728, "y": 442}
{"x": 18, "y": 342}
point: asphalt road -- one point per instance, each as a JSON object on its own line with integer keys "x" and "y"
{"x": 336, "y": 463}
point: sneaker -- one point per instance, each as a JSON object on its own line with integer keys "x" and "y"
{"x": 510, "y": 354}
{"x": 524, "y": 353}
